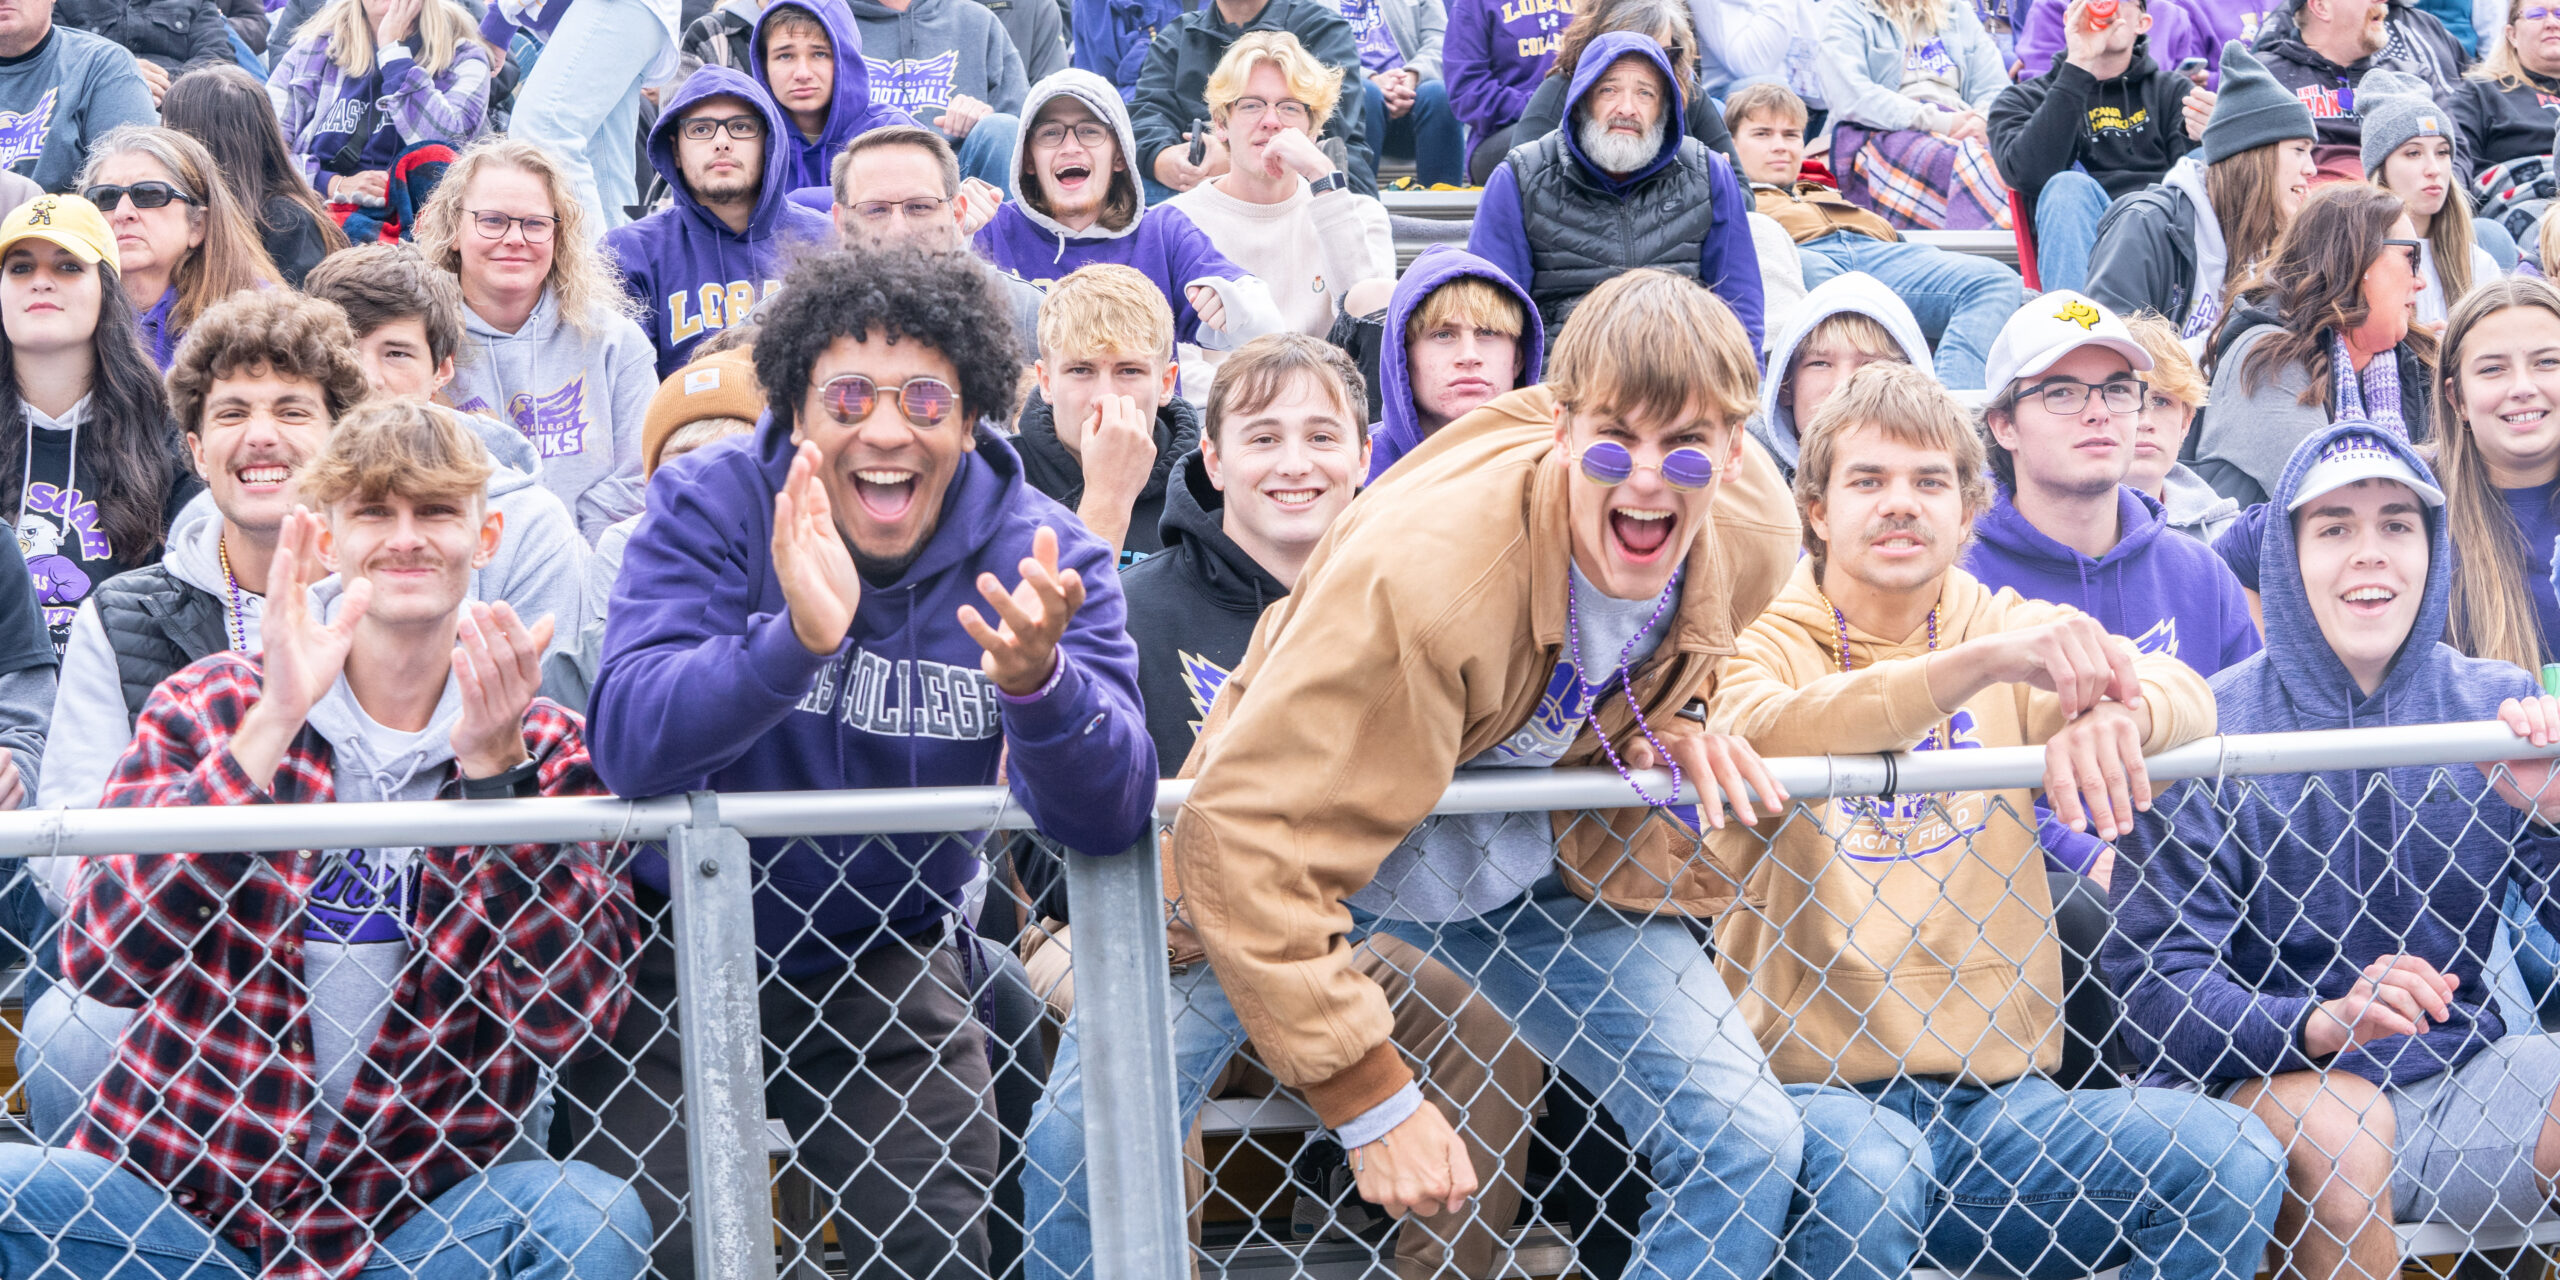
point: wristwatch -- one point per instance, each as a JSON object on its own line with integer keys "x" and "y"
{"x": 1334, "y": 181}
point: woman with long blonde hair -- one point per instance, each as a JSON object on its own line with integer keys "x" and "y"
{"x": 183, "y": 242}
{"x": 365, "y": 79}
{"x": 550, "y": 343}
{"x": 1911, "y": 84}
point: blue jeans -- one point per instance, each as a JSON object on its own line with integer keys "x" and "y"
{"x": 581, "y": 102}
{"x": 1631, "y": 1007}
{"x": 1961, "y": 300}
{"x": 2067, "y": 213}
{"x": 987, "y": 153}
{"x": 70, "y": 1212}
{"x": 2032, "y": 1179}
{"x": 1430, "y": 133}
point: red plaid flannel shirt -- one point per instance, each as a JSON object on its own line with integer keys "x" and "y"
{"x": 516, "y": 964}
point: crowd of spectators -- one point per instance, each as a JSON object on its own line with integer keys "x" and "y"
{"x": 422, "y": 400}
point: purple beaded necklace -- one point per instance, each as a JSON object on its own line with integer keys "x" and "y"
{"x": 1839, "y": 620}
{"x": 1573, "y": 623}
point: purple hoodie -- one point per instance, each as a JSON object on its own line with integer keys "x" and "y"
{"x": 1728, "y": 263}
{"x": 2176, "y": 35}
{"x": 811, "y": 164}
{"x": 2166, "y": 593}
{"x": 1399, "y": 431}
{"x": 1162, "y": 243}
{"x": 691, "y": 274}
{"x": 704, "y": 686}
{"x": 1494, "y": 55}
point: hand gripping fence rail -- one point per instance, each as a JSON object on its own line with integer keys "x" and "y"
{"x": 1129, "y": 1009}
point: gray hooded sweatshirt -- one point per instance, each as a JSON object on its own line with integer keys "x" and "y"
{"x": 933, "y": 49}
{"x": 580, "y": 398}
{"x": 1775, "y": 425}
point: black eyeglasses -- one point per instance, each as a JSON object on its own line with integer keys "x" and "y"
{"x": 918, "y": 209}
{"x": 2071, "y": 395}
{"x": 925, "y": 401}
{"x": 493, "y": 225}
{"x": 1092, "y": 134}
{"x": 2415, "y": 248}
{"x": 705, "y": 128}
{"x": 146, "y": 195}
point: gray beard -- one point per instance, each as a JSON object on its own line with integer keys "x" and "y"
{"x": 1615, "y": 155}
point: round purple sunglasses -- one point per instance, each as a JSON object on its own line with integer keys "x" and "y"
{"x": 1685, "y": 469}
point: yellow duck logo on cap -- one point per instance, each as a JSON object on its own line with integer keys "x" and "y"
{"x": 2079, "y": 313}
{"x": 40, "y": 214}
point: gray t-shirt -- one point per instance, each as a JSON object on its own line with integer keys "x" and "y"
{"x": 1467, "y": 864}
{"x": 356, "y": 925}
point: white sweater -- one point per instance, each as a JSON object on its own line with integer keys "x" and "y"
{"x": 1309, "y": 249}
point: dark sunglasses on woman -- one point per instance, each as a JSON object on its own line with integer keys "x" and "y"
{"x": 146, "y": 195}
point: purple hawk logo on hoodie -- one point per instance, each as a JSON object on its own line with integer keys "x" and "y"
{"x": 22, "y": 133}
{"x": 914, "y": 84}
{"x": 556, "y": 422}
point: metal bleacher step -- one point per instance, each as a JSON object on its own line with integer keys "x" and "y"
{"x": 1534, "y": 1252}
{"x": 1424, "y": 218}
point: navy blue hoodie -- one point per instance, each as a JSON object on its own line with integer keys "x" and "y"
{"x": 691, "y": 274}
{"x": 1399, "y": 429}
{"x": 2167, "y": 594}
{"x": 811, "y": 164}
{"x": 1727, "y": 261}
{"x": 2245, "y": 902}
{"x": 703, "y": 685}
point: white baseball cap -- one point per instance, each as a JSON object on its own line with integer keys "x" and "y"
{"x": 2359, "y": 455}
{"x": 2051, "y": 327}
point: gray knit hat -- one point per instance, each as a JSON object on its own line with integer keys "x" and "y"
{"x": 2395, "y": 107}
{"x": 2252, "y": 110}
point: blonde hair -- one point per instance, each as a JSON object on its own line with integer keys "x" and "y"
{"x": 1865, "y": 335}
{"x": 585, "y": 282}
{"x": 2498, "y": 62}
{"x": 232, "y": 256}
{"x": 1472, "y": 302}
{"x": 1310, "y": 81}
{"x": 442, "y": 28}
{"x": 1904, "y": 403}
{"x": 1653, "y": 343}
{"x": 1917, "y": 20}
{"x": 1106, "y": 308}
{"x": 2493, "y": 614}
{"x": 2173, "y": 372}
{"x": 393, "y": 446}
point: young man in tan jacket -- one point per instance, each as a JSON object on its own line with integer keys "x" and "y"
{"x": 1899, "y": 954}
{"x": 1580, "y": 551}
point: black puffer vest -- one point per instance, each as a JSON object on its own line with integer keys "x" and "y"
{"x": 1581, "y": 236}
{"x": 156, "y": 624}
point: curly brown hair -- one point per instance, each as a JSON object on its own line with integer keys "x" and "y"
{"x": 274, "y": 331}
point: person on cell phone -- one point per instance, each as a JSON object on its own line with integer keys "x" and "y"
{"x": 2104, "y": 121}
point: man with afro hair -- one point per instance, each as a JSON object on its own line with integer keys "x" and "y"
{"x": 861, "y": 593}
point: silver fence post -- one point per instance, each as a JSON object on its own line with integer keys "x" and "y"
{"x": 1124, "y": 1030}
{"x": 731, "y": 1195}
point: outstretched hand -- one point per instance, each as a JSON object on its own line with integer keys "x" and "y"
{"x": 303, "y": 655}
{"x": 1022, "y": 652}
{"x": 820, "y": 587}
{"x": 498, "y": 661}
{"x": 2529, "y": 784}
{"x": 1726, "y": 770}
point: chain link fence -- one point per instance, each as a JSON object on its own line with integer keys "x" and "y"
{"x": 1919, "y": 1045}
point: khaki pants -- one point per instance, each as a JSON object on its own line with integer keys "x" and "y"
{"x": 1483, "y": 1079}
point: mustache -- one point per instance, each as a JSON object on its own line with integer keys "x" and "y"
{"x": 1886, "y": 528}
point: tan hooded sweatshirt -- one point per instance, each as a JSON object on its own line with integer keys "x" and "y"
{"x": 1913, "y": 934}
{"x": 1423, "y": 631}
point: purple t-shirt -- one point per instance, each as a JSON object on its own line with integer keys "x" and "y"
{"x": 2532, "y": 508}
{"x": 1368, "y": 19}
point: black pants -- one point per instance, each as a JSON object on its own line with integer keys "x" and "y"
{"x": 2081, "y": 919}
{"x": 878, "y": 1070}
{"x": 1488, "y": 154}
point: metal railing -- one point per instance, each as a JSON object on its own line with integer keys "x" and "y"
{"x": 1125, "y": 1001}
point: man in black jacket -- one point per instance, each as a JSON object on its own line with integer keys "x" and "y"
{"x": 1173, "y": 88}
{"x": 1105, "y": 430}
{"x": 167, "y": 37}
{"x": 2335, "y": 43}
{"x": 2103, "y": 122}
